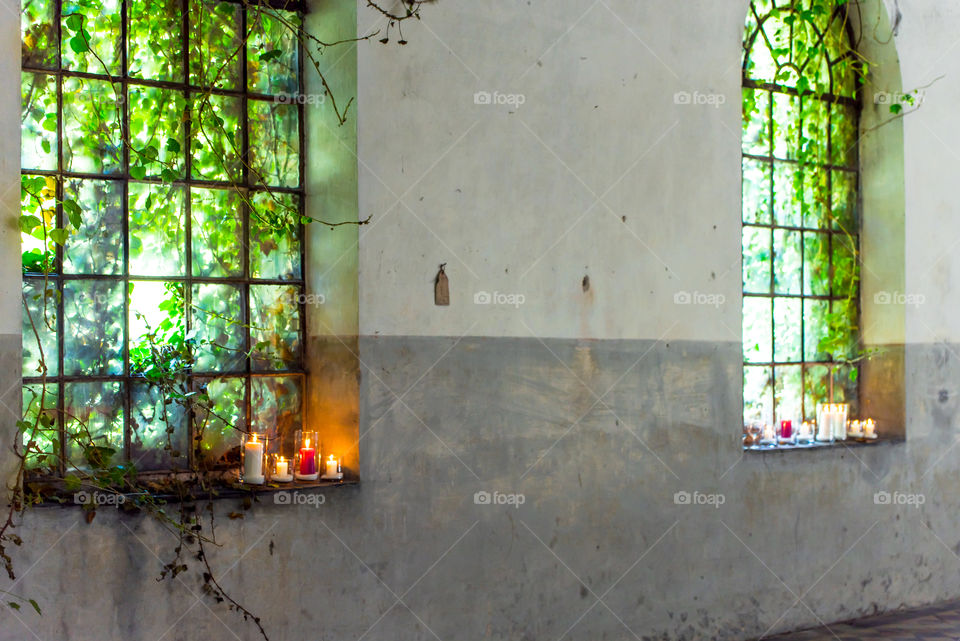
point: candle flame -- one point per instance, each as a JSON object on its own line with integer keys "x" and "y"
{"x": 331, "y": 457}
{"x": 254, "y": 440}
{"x": 307, "y": 443}
{"x": 281, "y": 459}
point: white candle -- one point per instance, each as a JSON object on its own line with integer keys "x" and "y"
{"x": 333, "y": 466}
{"x": 281, "y": 472}
{"x": 253, "y": 462}
{"x": 869, "y": 427}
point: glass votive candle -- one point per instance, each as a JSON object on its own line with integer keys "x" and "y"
{"x": 307, "y": 460}
{"x": 332, "y": 470}
{"x": 282, "y": 469}
{"x": 870, "y": 428}
{"x": 253, "y": 459}
{"x": 787, "y": 433}
{"x": 805, "y": 432}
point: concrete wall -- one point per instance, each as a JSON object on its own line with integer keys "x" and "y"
{"x": 595, "y": 403}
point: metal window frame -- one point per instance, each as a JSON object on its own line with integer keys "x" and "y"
{"x": 770, "y": 161}
{"x": 243, "y": 283}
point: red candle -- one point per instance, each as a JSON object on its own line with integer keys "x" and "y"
{"x": 786, "y": 429}
{"x": 308, "y": 460}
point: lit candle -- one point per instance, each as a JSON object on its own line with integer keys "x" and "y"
{"x": 333, "y": 466}
{"x": 282, "y": 471}
{"x": 840, "y": 421}
{"x": 308, "y": 461}
{"x": 253, "y": 461}
{"x": 825, "y": 422}
{"x": 869, "y": 428}
{"x": 769, "y": 436}
{"x": 806, "y": 431}
{"x": 786, "y": 429}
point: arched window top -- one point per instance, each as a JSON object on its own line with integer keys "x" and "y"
{"x": 803, "y": 45}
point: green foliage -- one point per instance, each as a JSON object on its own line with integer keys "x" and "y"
{"x": 800, "y": 136}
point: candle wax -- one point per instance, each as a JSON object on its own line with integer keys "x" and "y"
{"x": 308, "y": 461}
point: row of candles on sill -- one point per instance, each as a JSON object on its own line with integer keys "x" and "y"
{"x": 260, "y": 465}
{"x": 831, "y": 425}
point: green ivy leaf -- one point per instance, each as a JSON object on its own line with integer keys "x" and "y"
{"x": 138, "y": 172}
{"x": 35, "y": 606}
{"x": 74, "y": 213}
{"x": 59, "y": 236}
{"x": 270, "y": 55}
{"x": 173, "y": 145}
{"x": 78, "y": 45}
{"x": 29, "y": 223}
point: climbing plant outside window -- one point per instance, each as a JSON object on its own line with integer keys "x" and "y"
{"x": 162, "y": 195}
{"x": 801, "y": 280}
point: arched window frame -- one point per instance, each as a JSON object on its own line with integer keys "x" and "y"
{"x": 816, "y": 360}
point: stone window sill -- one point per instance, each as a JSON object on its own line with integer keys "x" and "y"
{"x": 891, "y": 440}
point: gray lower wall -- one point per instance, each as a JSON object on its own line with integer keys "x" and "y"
{"x": 409, "y": 554}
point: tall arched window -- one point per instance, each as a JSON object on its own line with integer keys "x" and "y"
{"x": 801, "y": 280}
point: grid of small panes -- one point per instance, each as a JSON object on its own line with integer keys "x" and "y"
{"x": 801, "y": 282}
{"x": 162, "y": 219}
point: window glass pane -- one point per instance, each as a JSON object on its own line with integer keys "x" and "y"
{"x": 220, "y": 421}
{"x": 756, "y": 191}
{"x": 756, "y": 122}
{"x": 38, "y": 33}
{"x": 844, "y": 201}
{"x": 215, "y": 44}
{"x": 156, "y": 51}
{"x": 97, "y": 246}
{"x": 274, "y": 143}
{"x": 38, "y": 217}
{"x": 816, "y": 264}
{"x": 217, "y": 144}
{"x": 788, "y": 341}
{"x": 274, "y": 326}
{"x": 816, "y": 198}
{"x": 843, "y": 135}
{"x": 786, "y": 126}
{"x": 816, "y": 389}
{"x": 38, "y": 131}
{"x": 815, "y": 327}
{"x": 757, "y": 330}
{"x": 91, "y": 126}
{"x": 272, "y": 61}
{"x": 788, "y": 385}
{"x": 220, "y": 332}
{"x": 156, "y": 133}
{"x": 756, "y": 260}
{"x": 846, "y": 267}
{"x": 275, "y": 404}
{"x": 787, "y": 180}
{"x": 274, "y": 236}
{"x": 158, "y": 429}
{"x": 157, "y": 232}
{"x": 217, "y": 232}
{"x": 157, "y": 328}
{"x": 786, "y": 261}
{"x": 39, "y": 327}
{"x": 93, "y": 327}
{"x": 91, "y": 36}
{"x": 94, "y": 424}
{"x": 757, "y": 392}
{"x": 41, "y": 441}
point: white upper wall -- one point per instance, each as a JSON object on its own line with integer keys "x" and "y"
{"x": 598, "y": 172}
